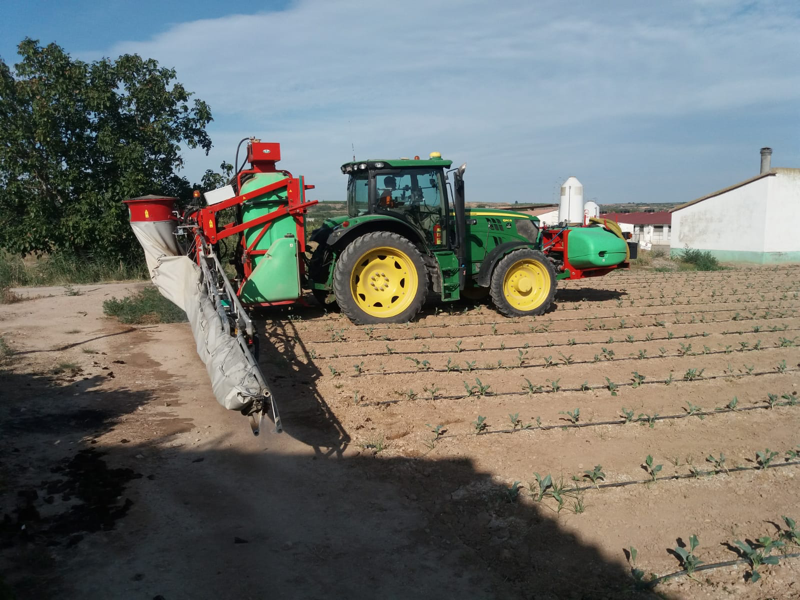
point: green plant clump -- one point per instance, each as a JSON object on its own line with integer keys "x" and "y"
{"x": 146, "y": 306}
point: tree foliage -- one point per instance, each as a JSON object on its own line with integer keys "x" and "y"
{"x": 77, "y": 138}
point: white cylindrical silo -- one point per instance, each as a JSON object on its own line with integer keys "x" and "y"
{"x": 590, "y": 209}
{"x": 570, "y": 209}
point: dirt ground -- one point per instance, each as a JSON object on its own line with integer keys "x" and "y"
{"x": 121, "y": 477}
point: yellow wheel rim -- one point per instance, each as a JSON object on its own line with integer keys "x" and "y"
{"x": 384, "y": 282}
{"x": 526, "y": 285}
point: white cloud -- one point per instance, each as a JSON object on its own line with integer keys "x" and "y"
{"x": 520, "y": 90}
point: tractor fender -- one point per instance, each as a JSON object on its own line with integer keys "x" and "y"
{"x": 484, "y": 276}
{"x": 339, "y": 238}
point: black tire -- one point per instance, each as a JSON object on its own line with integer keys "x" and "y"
{"x": 349, "y": 260}
{"x": 547, "y": 286}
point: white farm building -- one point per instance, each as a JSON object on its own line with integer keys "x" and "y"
{"x": 752, "y": 221}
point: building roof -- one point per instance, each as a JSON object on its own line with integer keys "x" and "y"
{"x": 727, "y": 189}
{"x": 538, "y": 210}
{"x": 640, "y": 218}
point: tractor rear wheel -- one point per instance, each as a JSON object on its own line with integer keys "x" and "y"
{"x": 523, "y": 283}
{"x": 380, "y": 278}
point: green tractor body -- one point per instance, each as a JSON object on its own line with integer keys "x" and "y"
{"x": 404, "y": 234}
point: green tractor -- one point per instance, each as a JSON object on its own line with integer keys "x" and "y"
{"x": 403, "y": 235}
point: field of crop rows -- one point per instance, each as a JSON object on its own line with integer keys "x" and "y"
{"x": 644, "y": 409}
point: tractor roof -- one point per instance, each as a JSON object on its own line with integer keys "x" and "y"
{"x": 381, "y": 163}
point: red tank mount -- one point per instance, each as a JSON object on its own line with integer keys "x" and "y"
{"x": 151, "y": 208}
{"x": 263, "y": 156}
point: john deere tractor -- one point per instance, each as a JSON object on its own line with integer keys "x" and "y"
{"x": 404, "y": 235}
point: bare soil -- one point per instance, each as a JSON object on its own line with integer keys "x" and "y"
{"x": 123, "y": 478}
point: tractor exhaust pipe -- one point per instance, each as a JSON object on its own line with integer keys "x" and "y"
{"x": 766, "y": 160}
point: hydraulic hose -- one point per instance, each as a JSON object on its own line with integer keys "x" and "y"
{"x": 236, "y": 167}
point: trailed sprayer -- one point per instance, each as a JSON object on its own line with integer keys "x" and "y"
{"x": 407, "y": 233}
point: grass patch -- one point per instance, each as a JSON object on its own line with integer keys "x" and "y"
{"x": 61, "y": 269}
{"x": 6, "y": 351}
{"x": 145, "y": 307}
{"x": 700, "y": 260}
{"x": 7, "y": 296}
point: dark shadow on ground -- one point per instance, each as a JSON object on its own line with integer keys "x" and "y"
{"x": 241, "y": 522}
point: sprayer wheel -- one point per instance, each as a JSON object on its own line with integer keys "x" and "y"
{"x": 523, "y": 283}
{"x": 380, "y": 278}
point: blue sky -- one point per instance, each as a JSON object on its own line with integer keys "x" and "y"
{"x": 641, "y": 101}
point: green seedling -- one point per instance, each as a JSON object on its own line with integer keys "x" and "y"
{"x": 585, "y": 386}
{"x": 786, "y": 342}
{"x": 629, "y": 339}
{"x": 479, "y": 425}
{"x": 571, "y": 342}
{"x": 530, "y": 388}
{"x": 684, "y": 349}
{"x": 627, "y": 414}
{"x": 548, "y": 362}
{"x": 451, "y": 366}
{"x": 781, "y": 368}
{"x": 432, "y": 390}
{"x": 554, "y": 385}
{"x": 359, "y": 368}
{"x": 610, "y": 340}
{"x": 437, "y": 431}
{"x": 662, "y": 351}
{"x": 458, "y": 346}
{"x": 356, "y": 397}
{"x": 334, "y": 372}
{"x": 410, "y": 394}
{"x": 542, "y": 485}
{"x": 612, "y": 387}
{"x": 515, "y": 421}
{"x": 765, "y": 458}
{"x": 718, "y": 462}
{"x": 572, "y": 415}
{"x": 567, "y": 359}
{"x": 791, "y": 533}
{"x": 693, "y": 374}
{"x": 688, "y": 559}
{"x": 772, "y": 400}
{"x": 642, "y": 354}
{"x": 595, "y": 475}
{"x": 511, "y": 494}
{"x": 607, "y": 354}
{"x": 650, "y": 468}
{"x": 793, "y": 454}
{"x": 693, "y": 409}
{"x": 637, "y": 379}
{"x": 760, "y": 556}
{"x": 749, "y": 369}
{"x": 470, "y": 365}
{"x": 389, "y": 349}
{"x": 521, "y": 357}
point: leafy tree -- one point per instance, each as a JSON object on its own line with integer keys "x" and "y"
{"x": 77, "y": 138}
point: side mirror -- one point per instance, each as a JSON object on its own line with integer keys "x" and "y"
{"x": 461, "y": 169}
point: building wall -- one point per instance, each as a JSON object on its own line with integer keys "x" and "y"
{"x": 783, "y": 215}
{"x": 731, "y": 226}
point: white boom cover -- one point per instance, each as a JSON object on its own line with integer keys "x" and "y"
{"x": 179, "y": 280}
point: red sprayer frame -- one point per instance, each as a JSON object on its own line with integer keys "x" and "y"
{"x": 557, "y": 240}
{"x": 262, "y": 157}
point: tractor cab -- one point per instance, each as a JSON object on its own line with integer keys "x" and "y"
{"x": 413, "y": 191}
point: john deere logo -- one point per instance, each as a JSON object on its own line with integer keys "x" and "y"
{"x": 146, "y": 214}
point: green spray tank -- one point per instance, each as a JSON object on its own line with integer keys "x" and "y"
{"x": 270, "y": 252}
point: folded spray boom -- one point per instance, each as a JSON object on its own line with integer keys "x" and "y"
{"x": 181, "y": 249}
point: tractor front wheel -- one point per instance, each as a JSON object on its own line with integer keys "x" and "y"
{"x": 523, "y": 283}
{"x": 380, "y": 278}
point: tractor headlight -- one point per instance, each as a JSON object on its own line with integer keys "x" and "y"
{"x": 362, "y": 166}
{"x": 378, "y": 165}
